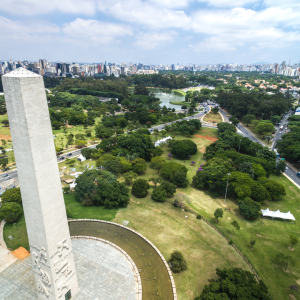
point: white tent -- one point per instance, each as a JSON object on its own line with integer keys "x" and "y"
{"x": 81, "y": 157}
{"x": 277, "y": 214}
{"x": 162, "y": 141}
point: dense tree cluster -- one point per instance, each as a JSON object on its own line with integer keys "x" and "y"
{"x": 11, "y": 205}
{"x": 183, "y": 148}
{"x": 135, "y": 143}
{"x": 175, "y": 173}
{"x": 177, "y": 262}
{"x": 100, "y": 187}
{"x": 234, "y": 284}
{"x": 159, "y": 80}
{"x": 289, "y": 145}
{"x": 248, "y": 172}
{"x": 241, "y": 103}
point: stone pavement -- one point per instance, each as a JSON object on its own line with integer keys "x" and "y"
{"x": 103, "y": 273}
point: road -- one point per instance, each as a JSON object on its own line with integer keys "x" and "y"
{"x": 290, "y": 173}
{"x": 77, "y": 152}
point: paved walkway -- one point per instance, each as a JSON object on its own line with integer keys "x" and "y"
{"x": 103, "y": 273}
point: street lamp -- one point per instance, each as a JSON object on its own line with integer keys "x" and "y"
{"x": 240, "y": 145}
{"x": 226, "y": 188}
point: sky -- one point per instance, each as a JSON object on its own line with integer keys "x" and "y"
{"x": 151, "y": 31}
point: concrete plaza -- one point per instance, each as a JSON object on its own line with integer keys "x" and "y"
{"x": 103, "y": 273}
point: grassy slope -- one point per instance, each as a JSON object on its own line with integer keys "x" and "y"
{"x": 274, "y": 235}
{"x": 211, "y": 117}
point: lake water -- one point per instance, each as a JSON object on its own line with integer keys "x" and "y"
{"x": 166, "y": 96}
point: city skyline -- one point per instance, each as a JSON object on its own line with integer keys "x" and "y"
{"x": 240, "y": 31}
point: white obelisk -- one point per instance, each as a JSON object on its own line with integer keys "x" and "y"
{"x": 43, "y": 203}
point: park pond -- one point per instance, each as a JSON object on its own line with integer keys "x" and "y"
{"x": 166, "y": 96}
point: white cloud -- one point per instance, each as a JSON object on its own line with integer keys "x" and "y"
{"x": 95, "y": 30}
{"x": 150, "y": 40}
{"x": 171, "y": 3}
{"x": 145, "y": 13}
{"x": 35, "y": 7}
{"x": 32, "y": 26}
{"x": 228, "y": 3}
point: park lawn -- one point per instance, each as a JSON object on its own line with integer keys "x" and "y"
{"x": 180, "y": 103}
{"x": 5, "y": 133}
{"x": 19, "y": 233}
{"x": 213, "y": 118}
{"x": 79, "y": 211}
{"x": 180, "y": 92}
{"x": 274, "y": 236}
{"x": 168, "y": 229}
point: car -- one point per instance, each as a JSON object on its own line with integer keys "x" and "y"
{"x": 5, "y": 175}
{"x": 69, "y": 154}
{"x": 279, "y": 131}
{"x": 61, "y": 158}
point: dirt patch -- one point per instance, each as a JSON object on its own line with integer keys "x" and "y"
{"x": 259, "y": 235}
{"x": 134, "y": 201}
{"x": 206, "y": 137}
{"x": 202, "y": 150}
{"x": 298, "y": 281}
{"x": 20, "y": 253}
{"x": 291, "y": 249}
{"x": 292, "y": 296}
{"x": 5, "y": 137}
{"x": 154, "y": 209}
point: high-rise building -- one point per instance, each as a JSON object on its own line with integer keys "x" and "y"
{"x": 43, "y": 64}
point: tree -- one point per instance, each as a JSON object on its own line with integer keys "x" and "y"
{"x": 139, "y": 165}
{"x": 268, "y": 137}
{"x": 215, "y": 110}
{"x": 155, "y": 180}
{"x": 12, "y": 195}
{"x": 234, "y": 283}
{"x": 5, "y": 122}
{"x": 252, "y": 243}
{"x": 10, "y": 212}
{"x": 157, "y": 162}
{"x": 157, "y": 151}
{"x": 293, "y": 240}
{"x": 275, "y": 119}
{"x": 141, "y": 90}
{"x": 130, "y": 177}
{"x": 235, "y": 225}
{"x": 87, "y": 182}
{"x": 4, "y": 162}
{"x": 234, "y": 121}
{"x": 218, "y": 214}
{"x": 249, "y": 208}
{"x": 169, "y": 187}
{"x": 114, "y": 194}
{"x": 264, "y": 127}
{"x": 246, "y": 167}
{"x": 170, "y": 168}
{"x": 223, "y": 126}
{"x": 280, "y": 167}
{"x": 114, "y": 166}
{"x": 248, "y": 119}
{"x": 163, "y": 132}
{"x": 177, "y": 262}
{"x": 122, "y": 122}
{"x": 159, "y": 194}
{"x": 80, "y": 143}
{"x": 283, "y": 260}
{"x": 56, "y": 125}
{"x": 179, "y": 178}
{"x": 183, "y": 148}
{"x": 140, "y": 188}
{"x": 3, "y": 142}
{"x": 66, "y": 189}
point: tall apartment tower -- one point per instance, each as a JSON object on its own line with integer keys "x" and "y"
{"x": 43, "y": 64}
{"x": 43, "y": 203}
